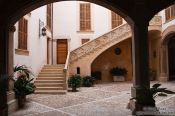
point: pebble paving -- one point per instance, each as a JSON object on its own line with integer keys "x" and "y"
{"x": 108, "y": 99}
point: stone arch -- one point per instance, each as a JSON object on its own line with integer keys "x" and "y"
{"x": 36, "y": 4}
{"x": 167, "y": 34}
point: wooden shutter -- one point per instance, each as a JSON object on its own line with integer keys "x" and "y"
{"x": 84, "y": 40}
{"x": 173, "y": 11}
{"x": 49, "y": 15}
{"x": 85, "y": 17}
{"x": 116, "y": 20}
{"x": 167, "y": 14}
{"x": 22, "y": 34}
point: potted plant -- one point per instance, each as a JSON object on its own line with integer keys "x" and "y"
{"x": 118, "y": 73}
{"x": 146, "y": 95}
{"x": 23, "y": 84}
{"x": 88, "y": 81}
{"x": 3, "y": 95}
{"x": 74, "y": 81}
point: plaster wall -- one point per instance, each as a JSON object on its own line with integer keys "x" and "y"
{"x": 37, "y": 46}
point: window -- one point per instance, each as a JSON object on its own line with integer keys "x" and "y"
{"x": 116, "y": 20}
{"x": 170, "y": 13}
{"x": 85, "y": 17}
{"x": 49, "y": 16}
{"x": 84, "y": 41}
{"x": 22, "y": 34}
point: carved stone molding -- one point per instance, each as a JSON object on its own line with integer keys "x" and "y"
{"x": 156, "y": 20}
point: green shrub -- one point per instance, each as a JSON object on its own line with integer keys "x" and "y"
{"x": 74, "y": 81}
{"x": 88, "y": 81}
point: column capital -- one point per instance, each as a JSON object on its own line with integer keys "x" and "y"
{"x": 12, "y": 28}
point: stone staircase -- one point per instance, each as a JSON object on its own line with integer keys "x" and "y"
{"x": 51, "y": 80}
{"x": 84, "y": 55}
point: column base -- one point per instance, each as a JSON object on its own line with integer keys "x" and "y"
{"x": 163, "y": 77}
{"x": 11, "y": 102}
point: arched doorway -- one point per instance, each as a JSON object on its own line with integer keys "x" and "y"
{"x": 171, "y": 58}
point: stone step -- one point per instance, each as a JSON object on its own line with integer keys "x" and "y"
{"x": 49, "y": 88}
{"x": 51, "y": 75}
{"x": 51, "y": 72}
{"x": 49, "y": 81}
{"x": 50, "y": 78}
{"x": 50, "y": 92}
{"x": 54, "y": 66}
{"x": 49, "y": 84}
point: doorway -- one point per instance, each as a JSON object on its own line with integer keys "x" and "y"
{"x": 62, "y": 49}
{"x": 171, "y": 58}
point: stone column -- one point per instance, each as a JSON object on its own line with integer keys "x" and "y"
{"x": 140, "y": 59}
{"x": 12, "y": 29}
{"x": 11, "y": 101}
{"x": 163, "y": 63}
{"x": 54, "y": 56}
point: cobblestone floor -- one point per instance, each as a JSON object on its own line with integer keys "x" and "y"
{"x": 102, "y": 100}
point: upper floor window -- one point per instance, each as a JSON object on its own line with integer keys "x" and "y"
{"x": 22, "y": 34}
{"x": 49, "y": 16}
{"x": 84, "y": 40}
{"x": 170, "y": 13}
{"x": 85, "y": 17}
{"x": 116, "y": 20}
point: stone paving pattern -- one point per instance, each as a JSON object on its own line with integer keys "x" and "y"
{"x": 101, "y": 100}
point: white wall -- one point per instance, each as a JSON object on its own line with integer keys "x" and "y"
{"x": 66, "y": 22}
{"x": 37, "y": 46}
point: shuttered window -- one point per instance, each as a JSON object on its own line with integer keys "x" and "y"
{"x": 170, "y": 13}
{"x": 22, "y": 34}
{"x": 116, "y": 20}
{"x": 84, "y": 41}
{"x": 85, "y": 17}
{"x": 49, "y": 16}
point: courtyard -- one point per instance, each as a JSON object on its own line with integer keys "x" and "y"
{"x": 108, "y": 99}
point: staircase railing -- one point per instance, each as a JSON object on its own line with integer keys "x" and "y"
{"x": 66, "y": 70}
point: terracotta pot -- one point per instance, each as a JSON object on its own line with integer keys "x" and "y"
{"x": 21, "y": 101}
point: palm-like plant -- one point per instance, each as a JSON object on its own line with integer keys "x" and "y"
{"x": 23, "y": 85}
{"x": 23, "y": 69}
{"x": 146, "y": 96}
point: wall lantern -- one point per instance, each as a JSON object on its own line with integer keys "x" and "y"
{"x": 42, "y": 29}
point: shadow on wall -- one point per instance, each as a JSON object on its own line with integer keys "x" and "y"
{"x": 111, "y": 58}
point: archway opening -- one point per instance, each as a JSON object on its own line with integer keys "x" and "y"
{"x": 171, "y": 58}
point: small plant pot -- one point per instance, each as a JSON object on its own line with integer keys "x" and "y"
{"x": 21, "y": 101}
{"x": 74, "y": 89}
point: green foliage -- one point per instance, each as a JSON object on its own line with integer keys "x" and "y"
{"x": 118, "y": 71}
{"x": 74, "y": 81}
{"x": 23, "y": 85}
{"x": 146, "y": 96}
{"x": 88, "y": 81}
{"x": 23, "y": 69}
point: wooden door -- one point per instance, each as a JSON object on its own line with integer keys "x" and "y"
{"x": 62, "y": 49}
